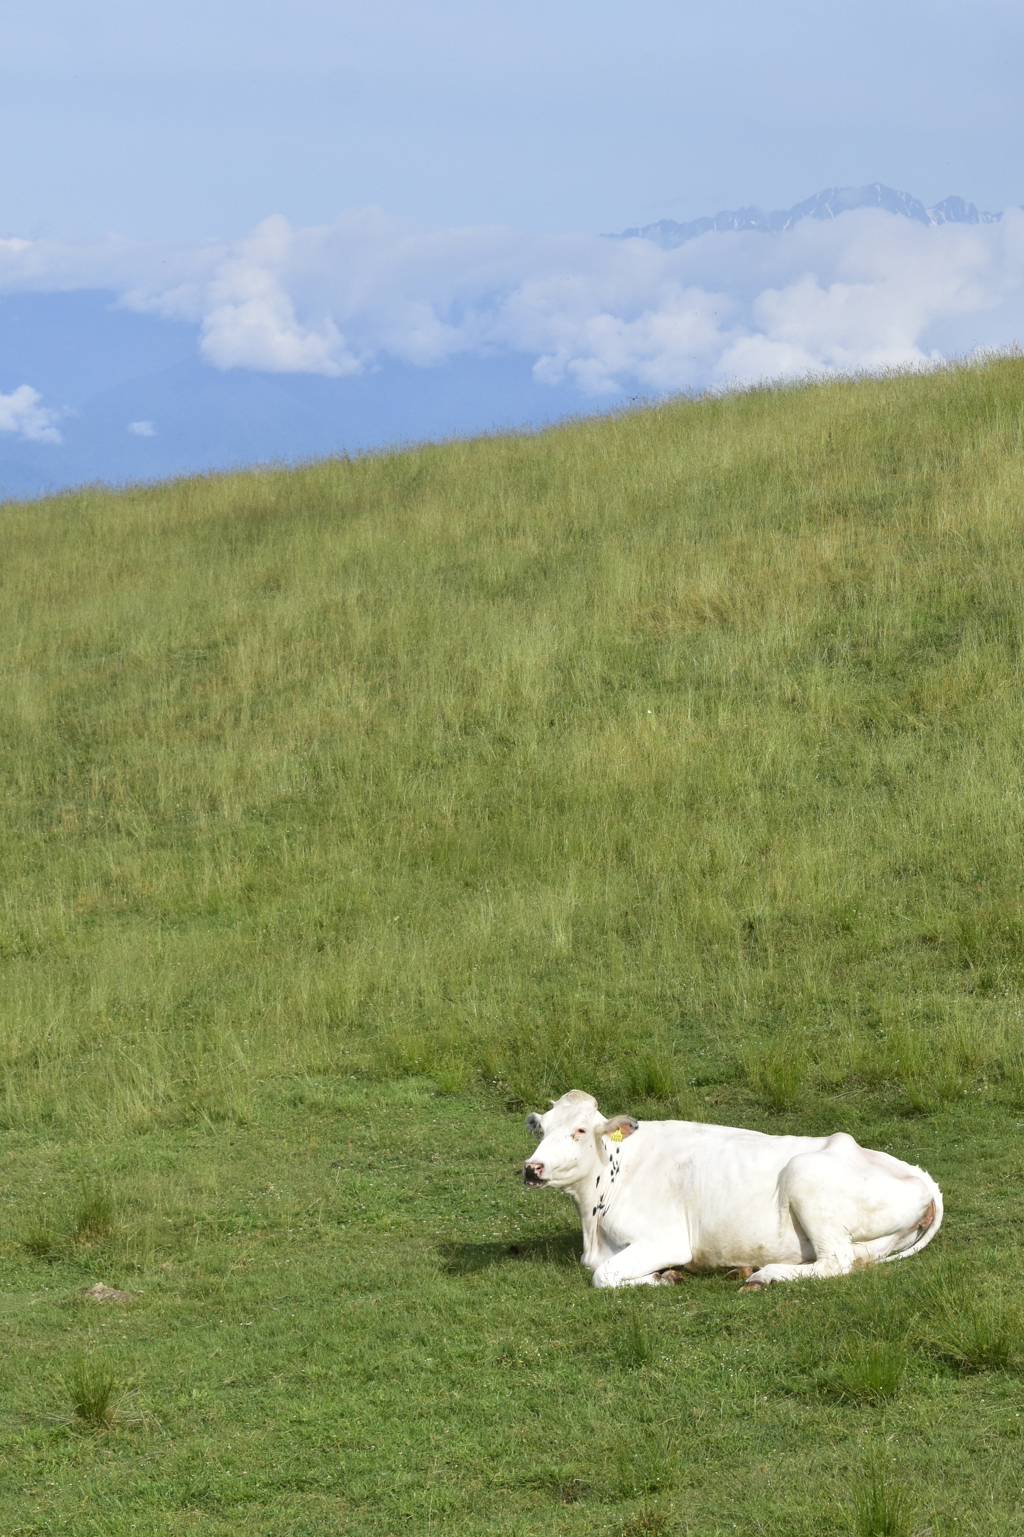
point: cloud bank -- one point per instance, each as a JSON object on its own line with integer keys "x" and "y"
{"x": 867, "y": 290}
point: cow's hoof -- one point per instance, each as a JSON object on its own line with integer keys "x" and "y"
{"x": 670, "y": 1277}
{"x": 754, "y": 1286}
{"x": 739, "y": 1273}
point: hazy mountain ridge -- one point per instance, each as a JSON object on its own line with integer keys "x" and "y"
{"x": 105, "y": 366}
{"x": 828, "y": 204}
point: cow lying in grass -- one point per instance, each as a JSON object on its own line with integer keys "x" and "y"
{"x": 656, "y": 1197}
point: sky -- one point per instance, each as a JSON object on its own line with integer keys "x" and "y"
{"x": 327, "y": 189}
{"x": 202, "y": 117}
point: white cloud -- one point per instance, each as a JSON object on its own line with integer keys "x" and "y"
{"x": 142, "y": 429}
{"x": 863, "y": 291}
{"x": 21, "y": 412}
{"x": 868, "y": 290}
{"x": 249, "y": 318}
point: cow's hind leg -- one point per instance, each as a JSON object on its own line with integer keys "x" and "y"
{"x": 834, "y": 1255}
{"x": 815, "y": 1190}
{"x": 844, "y": 1203}
{"x": 829, "y": 1265}
{"x": 637, "y": 1264}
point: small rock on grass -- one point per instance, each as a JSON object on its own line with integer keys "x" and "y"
{"x": 101, "y": 1293}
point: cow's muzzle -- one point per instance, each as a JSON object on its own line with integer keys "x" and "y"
{"x": 533, "y": 1174}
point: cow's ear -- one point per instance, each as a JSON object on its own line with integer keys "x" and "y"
{"x": 533, "y": 1124}
{"x": 618, "y": 1128}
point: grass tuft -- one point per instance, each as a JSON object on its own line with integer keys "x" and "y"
{"x": 647, "y": 1463}
{"x": 882, "y": 1506}
{"x": 1013, "y": 1073}
{"x": 650, "y": 1077}
{"x": 93, "y": 1394}
{"x": 567, "y": 1487}
{"x": 95, "y": 1214}
{"x": 977, "y": 1333}
{"x": 778, "y": 1073}
{"x": 648, "y": 1521}
{"x": 635, "y": 1348}
{"x": 42, "y": 1243}
{"x": 868, "y": 1371}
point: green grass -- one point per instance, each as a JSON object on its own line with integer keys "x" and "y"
{"x": 882, "y": 1507}
{"x": 350, "y": 811}
{"x": 92, "y": 1395}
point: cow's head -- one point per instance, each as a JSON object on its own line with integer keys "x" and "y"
{"x": 572, "y": 1141}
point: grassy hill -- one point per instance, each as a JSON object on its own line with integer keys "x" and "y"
{"x": 349, "y": 811}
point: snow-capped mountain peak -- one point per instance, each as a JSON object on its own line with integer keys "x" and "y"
{"x": 828, "y": 204}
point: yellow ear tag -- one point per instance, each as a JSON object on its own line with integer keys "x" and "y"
{"x": 616, "y": 1135}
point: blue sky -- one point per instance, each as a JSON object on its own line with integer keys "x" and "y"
{"x": 368, "y": 197}
{"x": 201, "y": 117}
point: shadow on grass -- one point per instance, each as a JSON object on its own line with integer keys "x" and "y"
{"x": 551, "y": 1249}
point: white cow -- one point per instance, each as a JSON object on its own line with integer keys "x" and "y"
{"x": 660, "y": 1196}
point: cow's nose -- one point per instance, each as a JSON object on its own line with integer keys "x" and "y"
{"x": 533, "y": 1174}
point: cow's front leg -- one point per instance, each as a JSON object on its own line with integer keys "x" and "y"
{"x": 636, "y": 1264}
{"x": 596, "y": 1248}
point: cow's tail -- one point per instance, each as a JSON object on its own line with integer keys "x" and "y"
{"x": 928, "y": 1226}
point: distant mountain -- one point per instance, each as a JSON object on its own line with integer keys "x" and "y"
{"x": 137, "y": 402}
{"x": 823, "y": 205}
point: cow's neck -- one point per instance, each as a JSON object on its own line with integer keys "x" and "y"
{"x": 590, "y": 1198}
